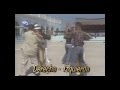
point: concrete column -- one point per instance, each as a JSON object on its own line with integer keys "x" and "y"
{"x": 45, "y": 29}
{"x": 21, "y": 33}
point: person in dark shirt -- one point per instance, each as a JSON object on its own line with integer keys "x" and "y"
{"x": 77, "y": 53}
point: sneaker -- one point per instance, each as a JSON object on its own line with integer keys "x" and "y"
{"x": 78, "y": 73}
{"x": 21, "y": 75}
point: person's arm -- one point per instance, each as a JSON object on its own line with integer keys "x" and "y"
{"x": 65, "y": 31}
{"x": 45, "y": 36}
{"x": 86, "y": 36}
{"x": 64, "y": 36}
{"x": 39, "y": 35}
{"x": 72, "y": 41}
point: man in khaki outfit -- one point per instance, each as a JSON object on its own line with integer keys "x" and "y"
{"x": 29, "y": 51}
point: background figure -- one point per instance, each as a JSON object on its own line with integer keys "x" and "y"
{"x": 46, "y": 37}
{"x": 68, "y": 46}
{"x": 41, "y": 45}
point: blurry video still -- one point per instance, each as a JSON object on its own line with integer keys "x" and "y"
{"x": 59, "y": 44}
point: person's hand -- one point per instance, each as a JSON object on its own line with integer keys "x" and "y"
{"x": 72, "y": 46}
{"x": 40, "y": 35}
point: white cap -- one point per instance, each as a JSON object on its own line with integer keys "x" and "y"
{"x": 37, "y": 27}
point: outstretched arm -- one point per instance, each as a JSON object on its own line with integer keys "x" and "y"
{"x": 87, "y": 36}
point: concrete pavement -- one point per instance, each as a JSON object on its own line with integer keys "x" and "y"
{"x": 94, "y": 56}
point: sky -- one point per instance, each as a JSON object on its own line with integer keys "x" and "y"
{"x": 71, "y": 17}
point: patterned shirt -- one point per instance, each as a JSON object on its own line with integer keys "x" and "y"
{"x": 78, "y": 38}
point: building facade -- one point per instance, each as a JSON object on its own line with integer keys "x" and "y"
{"x": 46, "y": 22}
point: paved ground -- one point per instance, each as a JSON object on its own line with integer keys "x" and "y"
{"x": 94, "y": 57}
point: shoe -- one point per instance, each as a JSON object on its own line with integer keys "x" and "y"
{"x": 47, "y": 60}
{"x": 21, "y": 75}
{"x": 37, "y": 73}
{"x": 78, "y": 73}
